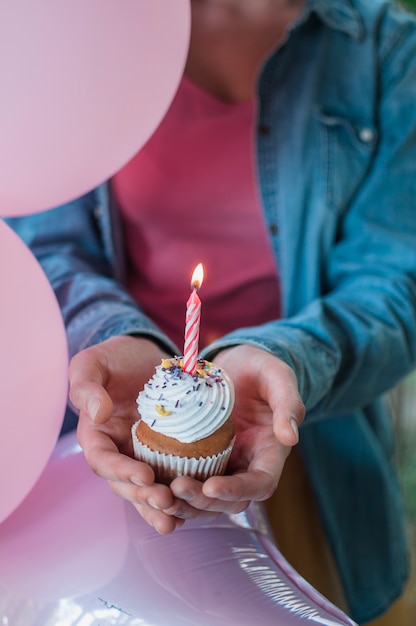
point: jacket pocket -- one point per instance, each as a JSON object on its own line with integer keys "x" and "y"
{"x": 348, "y": 148}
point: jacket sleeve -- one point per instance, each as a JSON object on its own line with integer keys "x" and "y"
{"x": 357, "y": 340}
{"x": 69, "y": 244}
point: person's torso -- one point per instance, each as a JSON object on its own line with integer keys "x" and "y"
{"x": 189, "y": 196}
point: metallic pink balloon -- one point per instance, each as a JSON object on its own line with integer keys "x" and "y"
{"x": 33, "y": 371}
{"x": 75, "y": 554}
{"x": 84, "y": 83}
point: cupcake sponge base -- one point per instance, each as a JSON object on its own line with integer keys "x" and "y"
{"x": 168, "y": 466}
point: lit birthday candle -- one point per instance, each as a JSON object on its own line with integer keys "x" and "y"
{"x": 193, "y": 318}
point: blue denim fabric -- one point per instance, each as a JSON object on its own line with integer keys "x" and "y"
{"x": 336, "y": 154}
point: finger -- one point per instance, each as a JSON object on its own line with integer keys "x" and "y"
{"x": 195, "y": 494}
{"x": 240, "y": 488}
{"x": 156, "y": 496}
{"x": 162, "y": 523}
{"x": 86, "y": 387}
{"x": 106, "y": 461}
{"x": 182, "y": 510}
{"x": 287, "y": 406}
{"x": 286, "y": 421}
{"x": 149, "y": 502}
{"x": 258, "y": 483}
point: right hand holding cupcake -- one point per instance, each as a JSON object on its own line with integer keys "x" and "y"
{"x": 104, "y": 380}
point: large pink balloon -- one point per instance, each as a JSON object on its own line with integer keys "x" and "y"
{"x": 84, "y": 83}
{"x": 73, "y": 553}
{"x": 33, "y": 370}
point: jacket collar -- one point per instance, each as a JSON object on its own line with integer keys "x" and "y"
{"x": 338, "y": 14}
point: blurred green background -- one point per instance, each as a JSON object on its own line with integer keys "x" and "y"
{"x": 409, "y": 4}
{"x": 403, "y": 399}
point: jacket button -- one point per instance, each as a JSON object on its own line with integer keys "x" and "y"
{"x": 366, "y": 135}
{"x": 263, "y": 130}
{"x": 273, "y": 229}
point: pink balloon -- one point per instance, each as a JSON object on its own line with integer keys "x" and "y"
{"x": 74, "y": 553}
{"x": 69, "y": 524}
{"x": 33, "y": 370}
{"x": 83, "y": 86}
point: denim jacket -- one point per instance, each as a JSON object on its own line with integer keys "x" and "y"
{"x": 336, "y": 155}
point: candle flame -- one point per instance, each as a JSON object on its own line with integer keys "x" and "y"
{"x": 197, "y": 276}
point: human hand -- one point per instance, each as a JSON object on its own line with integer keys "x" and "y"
{"x": 104, "y": 382}
{"x": 267, "y": 413}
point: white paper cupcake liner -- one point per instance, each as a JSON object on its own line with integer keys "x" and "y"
{"x": 169, "y": 466}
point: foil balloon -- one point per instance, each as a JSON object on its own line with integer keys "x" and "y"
{"x": 74, "y": 554}
{"x": 83, "y": 86}
{"x": 33, "y": 371}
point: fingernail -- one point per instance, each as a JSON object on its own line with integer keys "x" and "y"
{"x": 295, "y": 428}
{"x": 153, "y": 504}
{"x": 186, "y": 495}
{"x": 93, "y": 407}
{"x": 211, "y": 493}
{"x": 159, "y": 528}
{"x": 137, "y": 481}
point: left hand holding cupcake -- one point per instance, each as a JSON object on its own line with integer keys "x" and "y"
{"x": 268, "y": 410}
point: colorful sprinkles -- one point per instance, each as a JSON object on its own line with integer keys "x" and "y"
{"x": 204, "y": 369}
{"x": 205, "y": 372}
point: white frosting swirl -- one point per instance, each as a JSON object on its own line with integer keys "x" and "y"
{"x": 184, "y": 406}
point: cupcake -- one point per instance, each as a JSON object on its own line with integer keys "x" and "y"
{"x": 185, "y": 425}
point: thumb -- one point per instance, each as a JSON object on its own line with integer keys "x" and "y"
{"x": 87, "y": 393}
{"x": 287, "y": 406}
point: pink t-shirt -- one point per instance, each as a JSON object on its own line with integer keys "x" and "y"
{"x": 189, "y": 196}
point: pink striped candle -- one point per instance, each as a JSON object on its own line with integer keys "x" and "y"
{"x": 193, "y": 318}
